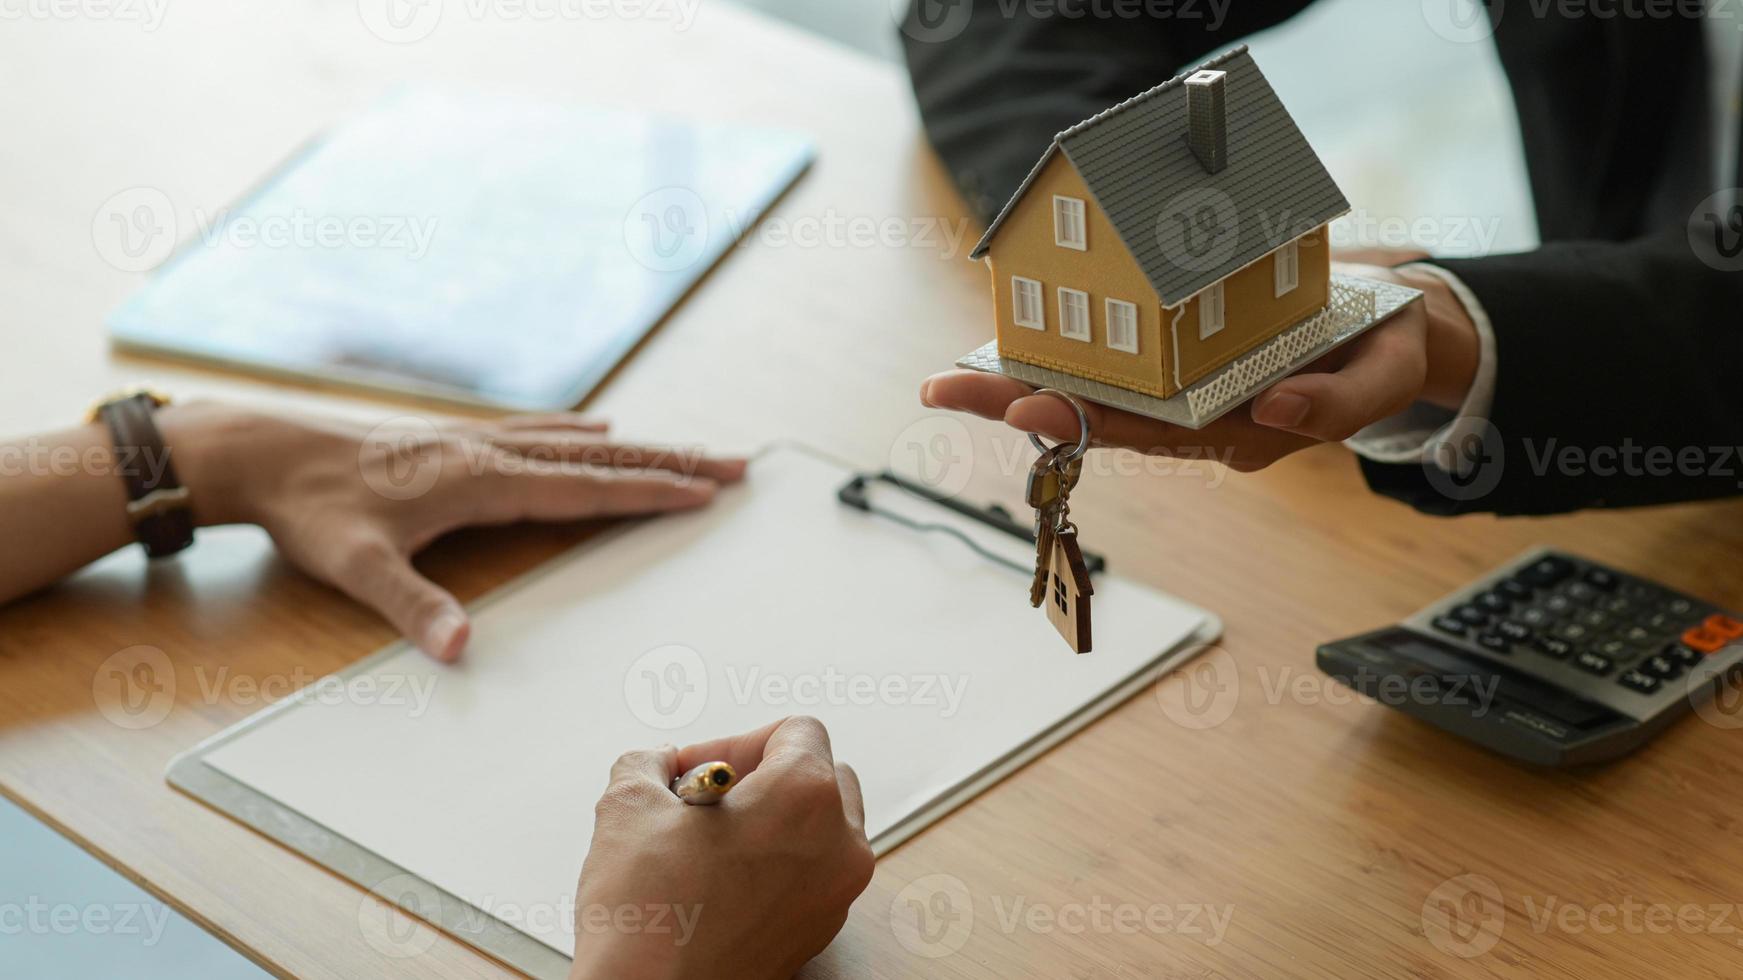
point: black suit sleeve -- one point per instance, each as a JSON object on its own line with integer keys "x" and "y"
{"x": 996, "y": 79}
{"x": 1619, "y": 378}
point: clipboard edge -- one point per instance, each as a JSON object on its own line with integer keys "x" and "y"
{"x": 1209, "y": 631}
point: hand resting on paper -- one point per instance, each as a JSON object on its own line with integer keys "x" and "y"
{"x": 345, "y": 501}
{"x": 1426, "y": 352}
{"x": 750, "y": 888}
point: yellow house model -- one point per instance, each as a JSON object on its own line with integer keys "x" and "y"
{"x": 1165, "y": 237}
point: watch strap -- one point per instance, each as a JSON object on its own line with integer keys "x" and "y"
{"x": 157, "y": 504}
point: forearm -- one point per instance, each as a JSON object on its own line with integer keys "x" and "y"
{"x": 62, "y": 506}
{"x": 63, "y": 503}
{"x": 1614, "y": 384}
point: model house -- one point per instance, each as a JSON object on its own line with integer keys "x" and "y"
{"x": 1165, "y": 237}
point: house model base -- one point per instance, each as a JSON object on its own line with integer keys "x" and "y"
{"x": 1356, "y": 305}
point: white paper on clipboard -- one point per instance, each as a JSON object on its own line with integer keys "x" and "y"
{"x": 933, "y": 675}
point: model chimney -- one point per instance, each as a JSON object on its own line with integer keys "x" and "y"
{"x": 1207, "y": 128}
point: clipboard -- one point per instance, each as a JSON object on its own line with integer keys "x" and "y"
{"x": 268, "y": 772}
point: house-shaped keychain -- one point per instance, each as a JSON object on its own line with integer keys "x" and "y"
{"x": 1068, "y": 590}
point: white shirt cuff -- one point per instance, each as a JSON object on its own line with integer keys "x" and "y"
{"x": 1417, "y": 434}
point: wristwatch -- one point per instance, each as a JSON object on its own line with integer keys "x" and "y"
{"x": 158, "y": 505}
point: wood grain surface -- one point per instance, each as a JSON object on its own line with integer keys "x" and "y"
{"x": 1330, "y": 838}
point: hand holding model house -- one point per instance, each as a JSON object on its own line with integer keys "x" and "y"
{"x": 1168, "y": 259}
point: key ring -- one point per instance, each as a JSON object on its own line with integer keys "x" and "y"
{"x": 1082, "y": 423}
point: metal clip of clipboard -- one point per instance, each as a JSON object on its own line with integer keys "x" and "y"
{"x": 855, "y": 494}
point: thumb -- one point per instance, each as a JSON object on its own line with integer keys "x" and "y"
{"x": 1383, "y": 378}
{"x": 379, "y": 576}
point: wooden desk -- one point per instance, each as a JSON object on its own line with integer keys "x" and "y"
{"x": 1321, "y": 828}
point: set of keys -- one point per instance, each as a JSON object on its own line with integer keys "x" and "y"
{"x": 1061, "y": 579}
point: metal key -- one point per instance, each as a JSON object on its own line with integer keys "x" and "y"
{"x": 1048, "y": 489}
{"x": 1043, "y": 564}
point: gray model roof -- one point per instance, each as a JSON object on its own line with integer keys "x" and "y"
{"x": 1140, "y": 171}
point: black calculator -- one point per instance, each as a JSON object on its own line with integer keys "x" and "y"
{"x": 1551, "y": 659}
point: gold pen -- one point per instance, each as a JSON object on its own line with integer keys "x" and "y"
{"x": 706, "y": 784}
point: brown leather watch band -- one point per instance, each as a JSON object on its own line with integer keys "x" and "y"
{"x": 157, "y": 503}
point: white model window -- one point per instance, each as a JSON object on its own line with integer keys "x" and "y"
{"x": 1073, "y": 313}
{"x": 1068, "y": 227}
{"x": 1210, "y": 312}
{"x": 1026, "y": 307}
{"x": 1122, "y": 326}
{"x": 1288, "y": 268}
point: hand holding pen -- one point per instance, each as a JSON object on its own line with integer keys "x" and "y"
{"x": 720, "y": 878}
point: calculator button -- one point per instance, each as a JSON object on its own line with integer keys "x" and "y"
{"x": 1535, "y": 617}
{"x": 1704, "y": 639}
{"x": 1725, "y": 626}
{"x": 1638, "y": 590}
{"x": 1602, "y": 579}
{"x": 1572, "y": 632}
{"x": 1547, "y": 571}
{"x": 1637, "y": 635}
{"x": 1549, "y": 646}
{"x": 1513, "y": 630}
{"x": 1617, "y": 605}
{"x": 1448, "y": 624}
{"x": 1638, "y": 681}
{"x": 1515, "y": 589}
{"x": 1614, "y": 649}
{"x": 1659, "y": 665}
{"x": 1494, "y": 602}
{"x": 1593, "y": 663}
{"x": 1580, "y": 592}
{"x": 1595, "y": 618}
{"x": 1678, "y": 606}
{"x": 1559, "y": 605}
{"x": 1471, "y": 615}
{"x": 1662, "y": 622}
{"x": 1687, "y": 656}
{"x": 1495, "y": 642}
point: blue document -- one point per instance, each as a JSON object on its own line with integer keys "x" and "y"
{"x": 478, "y": 248}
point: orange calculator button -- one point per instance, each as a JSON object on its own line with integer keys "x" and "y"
{"x": 1703, "y": 639}
{"x": 1725, "y": 626}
